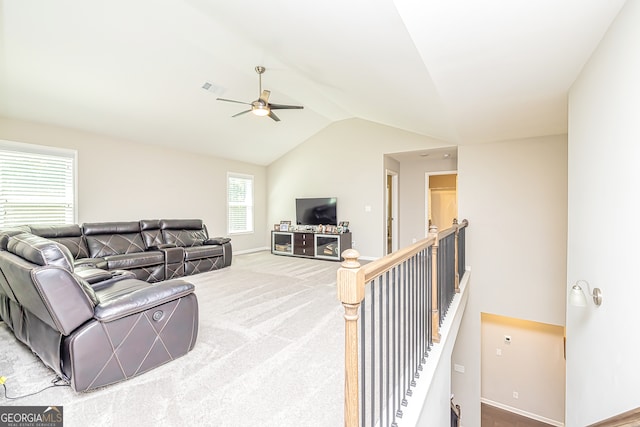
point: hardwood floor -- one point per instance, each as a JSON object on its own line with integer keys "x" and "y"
{"x": 495, "y": 417}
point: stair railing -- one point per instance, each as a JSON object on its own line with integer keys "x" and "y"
{"x": 393, "y": 310}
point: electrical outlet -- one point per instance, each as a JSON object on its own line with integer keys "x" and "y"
{"x": 498, "y": 352}
{"x": 515, "y": 395}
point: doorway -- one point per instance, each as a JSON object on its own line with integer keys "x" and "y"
{"x": 391, "y": 212}
{"x": 441, "y": 199}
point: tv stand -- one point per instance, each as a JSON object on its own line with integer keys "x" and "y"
{"x": 308, "y": 244}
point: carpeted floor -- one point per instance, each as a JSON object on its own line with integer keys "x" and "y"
{"x": 269, "y": 353}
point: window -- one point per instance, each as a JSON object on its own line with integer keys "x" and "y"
{"x": 240, "y": 203}
{"x": 37, "y": 184}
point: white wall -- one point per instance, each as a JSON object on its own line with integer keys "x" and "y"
{"x": 531, "y": 364}
{"x": 123, "y": 181}
{"x": 344, "y": 160}
{"x": 603, "y": 348}
{"x": 514, "y": 194}
{"x": 412, "y": 190}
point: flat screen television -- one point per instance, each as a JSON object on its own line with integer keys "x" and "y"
{"x": 317, "y": 211}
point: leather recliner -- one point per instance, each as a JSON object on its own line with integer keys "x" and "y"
{"x": 91, "y": 335}
{"x": 121, "y": 247}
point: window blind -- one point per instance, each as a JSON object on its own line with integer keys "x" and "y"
{"x": 36, "y": 187}
{"x": 240, "y": 203}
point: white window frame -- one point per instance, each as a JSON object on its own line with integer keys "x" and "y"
{"x": 20, "y": 147}
{"x": 248, "y": 203}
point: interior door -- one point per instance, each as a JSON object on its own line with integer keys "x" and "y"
{"x": 442, "y": 199}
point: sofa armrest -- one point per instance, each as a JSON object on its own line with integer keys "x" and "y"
{"x": 173, "y": 254}
{"x": 91, "y": 262}
{"x": 116, "y": 276}
{"x": 115, "y": 305}
{"x": 217, "y": 241}
{"x": 91, "y": 274}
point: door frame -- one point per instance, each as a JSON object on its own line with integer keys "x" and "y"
{"x": 426, "y": 194}
{"x": 394, "y": 210}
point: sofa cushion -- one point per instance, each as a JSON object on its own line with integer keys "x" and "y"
{"x": 70, "y": 235}
{"x": 200, "y": 252}
{"x": 151, "y": 233}
{"x": 130, "y": 296}
{"x": 124, "y": 227}
{"x": 134, "y": 260}
{"x": 40, "y": 251}
{"x": 113, "y": 238}
{"x": 5, "y": 233}
{"x": 186, "y": 224}
{"x": 183, "y": 232}
{"x": 184, "y": 238}
{"x": 101, "y": 246}
{"x": 217, "y": 241}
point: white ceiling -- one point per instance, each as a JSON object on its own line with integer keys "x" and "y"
{"x": 460, "y": 70}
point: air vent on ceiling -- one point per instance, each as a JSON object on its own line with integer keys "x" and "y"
{"x": 212, "y": 87}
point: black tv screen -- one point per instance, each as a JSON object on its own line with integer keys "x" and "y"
{"x": 317, "y": 211}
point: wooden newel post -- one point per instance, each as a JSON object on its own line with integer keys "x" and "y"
{"x": 435, "y": 314}
{"x": 350, "y": 282}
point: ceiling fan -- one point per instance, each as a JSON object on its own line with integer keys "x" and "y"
{"x": 261, "y": 106}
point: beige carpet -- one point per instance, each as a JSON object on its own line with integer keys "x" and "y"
{"x": 269, "y": 353}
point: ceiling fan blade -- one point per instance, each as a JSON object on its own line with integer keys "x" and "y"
{"x": 241, "y": 113}
{"x": 265, "y": 96}
{"x": 231, "y": 100}
{"x": 285, "y": 107}
{"x": 273, "y": 116}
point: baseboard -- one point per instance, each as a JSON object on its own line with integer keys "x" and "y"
{"x": 521, "y": 412}
{"x": 250, "y": 251}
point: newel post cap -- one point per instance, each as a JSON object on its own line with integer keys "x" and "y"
{"x": 350, "y": 258}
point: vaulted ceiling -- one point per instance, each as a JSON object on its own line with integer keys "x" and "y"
{"x": 464, "y": 71}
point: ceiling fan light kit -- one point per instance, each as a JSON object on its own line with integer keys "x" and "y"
{"x": 261, "y": 111}
{"x": 261, "y": 107}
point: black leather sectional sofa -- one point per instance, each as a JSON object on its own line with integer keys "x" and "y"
{"x": 153, "y": 250}
{"x": 105, "y": 302}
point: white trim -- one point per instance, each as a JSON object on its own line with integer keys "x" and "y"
{"x": 253, "y": 207}
{"x": 38, "y": 149}
{"x": 394, "y": 209}
{"x": 51, "y": 151}
{"x": 522, "y": 413}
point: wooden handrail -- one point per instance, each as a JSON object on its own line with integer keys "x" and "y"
{"x": 449, "y": 231}
{"x": 380, "y": 266}
{"x": 352, "y": 279}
